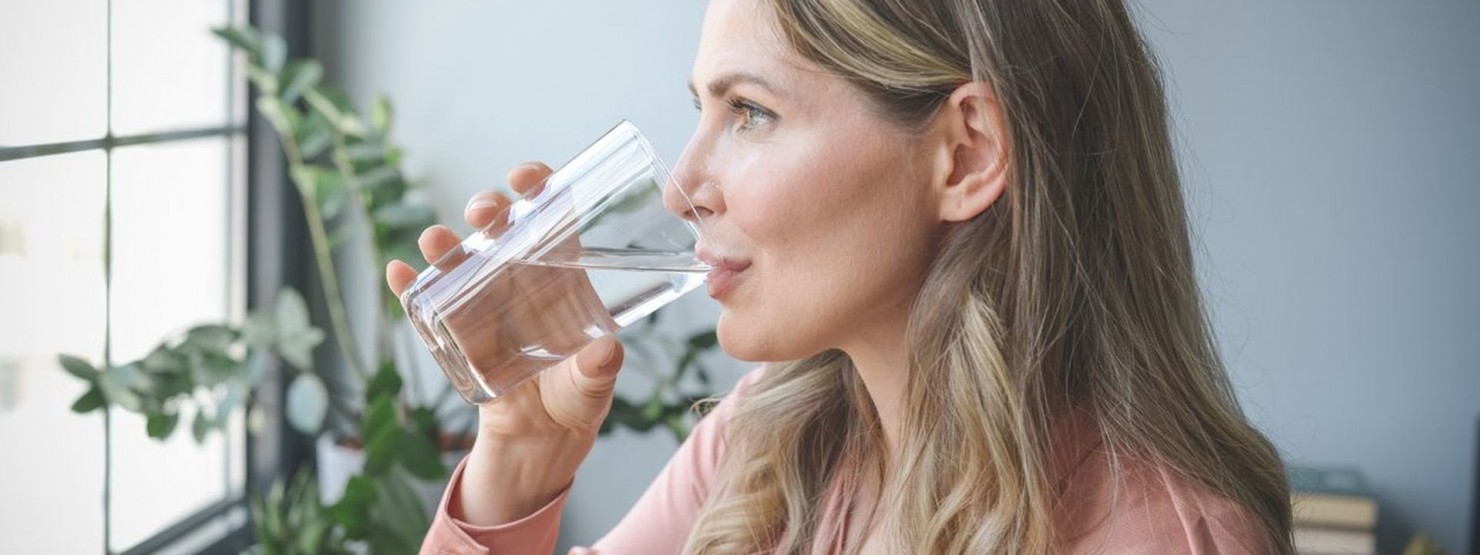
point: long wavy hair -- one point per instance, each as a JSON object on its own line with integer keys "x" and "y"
{"x": 1076, "y": 289}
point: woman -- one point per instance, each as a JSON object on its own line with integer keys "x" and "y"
{"x": 960, "y": 222}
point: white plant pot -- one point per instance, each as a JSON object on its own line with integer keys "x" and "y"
{"x": 337, "y": 464}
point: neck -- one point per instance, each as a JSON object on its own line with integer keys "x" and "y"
{"x": 882, "y": 362}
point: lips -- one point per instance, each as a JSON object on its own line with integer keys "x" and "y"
{"x": 725, "y": 273}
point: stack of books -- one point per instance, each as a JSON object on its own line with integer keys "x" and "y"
{"x": 1335, "y": 511}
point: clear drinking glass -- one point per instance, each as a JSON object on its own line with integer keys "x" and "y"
{"x": 587, "y": 252}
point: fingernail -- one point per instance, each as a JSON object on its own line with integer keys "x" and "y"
{"x": 480, "y": 203}
{"x": 611, "y": 353}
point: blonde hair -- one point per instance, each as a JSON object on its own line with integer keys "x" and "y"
{"x": 1076, "y": 289}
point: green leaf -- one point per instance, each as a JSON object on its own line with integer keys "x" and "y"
{"x": 624, "y": 413}
{"x": 90, "y": 401}
{"x": 274, "y": 507}
{"x": 368, "y": 151}
{"x": 380, "y": 115}
{"x": 118, "y": 385}
{"x": 210, "y": 369}
{"x": 247, "y": 40}
{"x": 386, "y": 383}
{"x": 161, "y": 425}
{"x": 401, "y": 214}
{"x": 325, "y": 186}
{"x": 378, "y": 179}
{"x": 284, "y": 119}
{"x": 259, "y": 331}
{"x": 235, "y": 393}
{"x": 179, "y": 380}
{"x": 259, "y": 518}
{"x": 267, "y": 83}
{"x": 331, "y": 195}
{"x": 653, "y": 410}
{"x": 383, "y": 437}
{"x": 78, "y": 367}
{"x": 200, "y": 427}
{"x": 296, "y": 337}
{"x": 307, "y": 403}
{"x": 314, "y": 135}
{"x": 677, "y": 425}
{"x": 351, "y": 509}
{"x": 400, "y": 517}
{"x": 337, "y": 109}
{"x": 274, "y": 52}
{"x": 161, "y": 360}
{"x": 299, "y": 76}
{"x": 214, "y": 338}
{"x": 704, "y": 340}
{"x": 255, "y": 368}
{"x": 422, "y": 458}
{"x": 315, "y": 537}
{"x": 424, "y": 420}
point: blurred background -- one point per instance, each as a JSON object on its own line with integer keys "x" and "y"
{"x": 155, "y": 229}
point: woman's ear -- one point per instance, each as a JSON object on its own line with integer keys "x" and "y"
{"x": 973, "y": 156}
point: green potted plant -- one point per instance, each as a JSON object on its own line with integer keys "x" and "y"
{"x": 343, "y": 164}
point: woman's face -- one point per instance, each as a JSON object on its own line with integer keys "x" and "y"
{"x": 818, "y": 210}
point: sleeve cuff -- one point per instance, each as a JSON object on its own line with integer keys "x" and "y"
{"x": 536, "y": 533}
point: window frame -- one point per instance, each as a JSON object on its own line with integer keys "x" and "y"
{"x": 275, "y": 258}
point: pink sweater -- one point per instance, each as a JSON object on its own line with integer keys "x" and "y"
{"x": 1155, "y": 510}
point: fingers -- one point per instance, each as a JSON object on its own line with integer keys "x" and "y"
{"x": 436, "y": 243}
{"x": 399, "y": 275}
{"x": 490, "y": 207}
{"x": 441, "y": 247}
{"x": 598, "y": 364}
{"x": 487, "y": 208}
{"x": 525, "y": 177}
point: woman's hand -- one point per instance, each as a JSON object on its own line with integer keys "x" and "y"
{"x": 532, "y": 439}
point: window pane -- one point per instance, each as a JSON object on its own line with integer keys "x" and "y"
{"x": 171, "y": 245}
{"x": 54, "y": 57}
{"x": 169, "y": 71}
{"x": 51, "y": 265}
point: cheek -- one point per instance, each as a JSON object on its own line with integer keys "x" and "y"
{"x": 834, "y": 234}
{"x": 767, "y": 196}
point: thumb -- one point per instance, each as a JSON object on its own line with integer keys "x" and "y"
{"x": 597, "y": 364}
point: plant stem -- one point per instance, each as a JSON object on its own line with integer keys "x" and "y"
{"x": 329, "y": 278}
{"x": 335, "y": 299}
{"x": 347, "y": 172}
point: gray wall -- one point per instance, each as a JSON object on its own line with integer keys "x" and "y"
{"x": 1330, "y": 151}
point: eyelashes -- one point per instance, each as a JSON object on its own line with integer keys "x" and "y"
{"x": 752, "y": 115}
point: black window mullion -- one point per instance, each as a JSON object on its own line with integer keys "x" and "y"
{"x": 108, "y": 142}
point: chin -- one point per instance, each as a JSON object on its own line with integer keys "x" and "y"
{"x": 745, "y": 341}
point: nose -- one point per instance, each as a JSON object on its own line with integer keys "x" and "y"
{"x": 692, "y": 193}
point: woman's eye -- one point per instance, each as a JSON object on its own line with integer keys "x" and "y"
{"x": 754, "y": 115}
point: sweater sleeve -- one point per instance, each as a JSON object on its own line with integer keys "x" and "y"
{"x": 658, "y": 523}
{"x": 450, "y": 535}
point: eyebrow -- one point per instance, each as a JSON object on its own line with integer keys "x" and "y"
{"x": 719, "y": 86}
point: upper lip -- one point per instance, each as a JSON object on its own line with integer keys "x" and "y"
{"x": 721, "y": 262}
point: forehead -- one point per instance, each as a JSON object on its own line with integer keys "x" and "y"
{"x": 740, "y": 36}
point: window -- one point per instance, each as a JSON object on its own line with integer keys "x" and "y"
{"x": 122, "y": 222}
